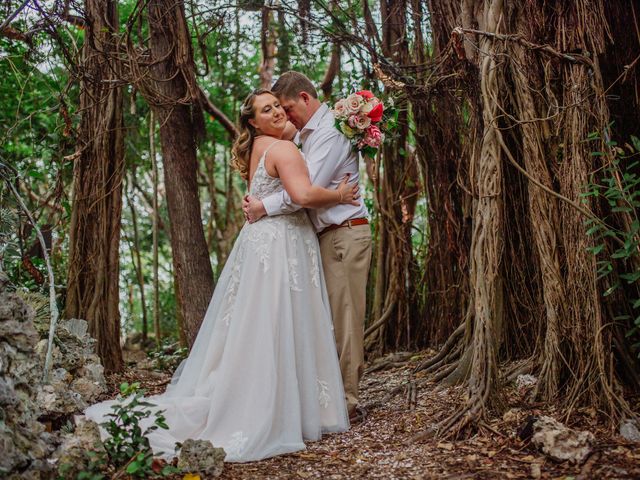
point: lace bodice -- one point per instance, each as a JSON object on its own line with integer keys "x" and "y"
{"x": 263, "y": 184}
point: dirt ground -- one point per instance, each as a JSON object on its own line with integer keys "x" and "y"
{"x": 384, "y": 445}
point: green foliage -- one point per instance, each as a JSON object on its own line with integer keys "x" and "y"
{"x": 128, "y": 446}
{"x": 96, "y": 466}
{"x": 616, "y": 242}
{"x": 127, "y": 449}
{"x": 40, "y": 115}
{"x": 168, "y": 355}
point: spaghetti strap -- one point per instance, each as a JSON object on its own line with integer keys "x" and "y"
{"x": 264, "y": 154}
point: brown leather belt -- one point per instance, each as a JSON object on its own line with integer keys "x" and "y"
{"x": 348, "y": 223}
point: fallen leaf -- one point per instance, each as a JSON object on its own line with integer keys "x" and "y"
{"x": 308, "y": 455}
{"x": 191, "y": 476}
{"x": 158, "y": 464}
{"x": 445, "y": 446}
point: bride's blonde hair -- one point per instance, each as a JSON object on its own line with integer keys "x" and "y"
{"x": 241, "y": 150}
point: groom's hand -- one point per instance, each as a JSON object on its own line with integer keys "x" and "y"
{"x": 253, "y": 209}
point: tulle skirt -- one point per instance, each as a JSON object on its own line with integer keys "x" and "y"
{"x": 263, "y": 374}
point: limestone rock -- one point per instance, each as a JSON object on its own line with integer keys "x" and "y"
{"x": 72, "y": 456}
{"x": 200, "y": 456}
{"x": 24, "y": 446}
{"x": 561, "y": 443}
{"x": 77, "y": 327}
{"x": 525, "y": 381}
{"x": 629, "y": 430}
{"x": 58, "y": 400}
{"x": 94, "y": 371}
{"x": 88, "y": 390}
{"x": 77, "y": 378}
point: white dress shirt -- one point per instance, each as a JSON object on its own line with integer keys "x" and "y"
{"x": 330, "y": 156}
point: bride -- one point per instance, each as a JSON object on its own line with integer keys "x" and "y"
{"x": 263, "y": 373}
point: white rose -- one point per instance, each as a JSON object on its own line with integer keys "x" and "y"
{"x": 354, "y": 102}
{"x": 340, "y": 109}
{"x": 366, "y": 107}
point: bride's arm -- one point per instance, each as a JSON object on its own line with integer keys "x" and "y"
{"x": 289, "y": 131}
{"x": 293, "y": 173}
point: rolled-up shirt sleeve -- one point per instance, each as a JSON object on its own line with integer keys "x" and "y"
{"x": 325, "y": 150}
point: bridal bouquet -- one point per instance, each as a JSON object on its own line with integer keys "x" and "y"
{"x": 362, "y": 118}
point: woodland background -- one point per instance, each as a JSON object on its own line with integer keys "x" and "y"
{"x": 504, "y": 206}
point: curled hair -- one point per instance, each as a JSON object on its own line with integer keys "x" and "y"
{"x": 241, "y": 150}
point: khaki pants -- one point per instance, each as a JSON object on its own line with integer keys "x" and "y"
{"x": 346, "y": 254}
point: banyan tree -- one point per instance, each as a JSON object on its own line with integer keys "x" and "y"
{"x": 516, "y": 129}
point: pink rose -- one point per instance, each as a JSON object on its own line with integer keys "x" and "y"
{"x": 353, "y": 121}
{"x": 353, "y": 103}
{"x": 362, "y": 121}
{"x": 373, "y": 136}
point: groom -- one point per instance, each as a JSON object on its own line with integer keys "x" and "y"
{"x": 343, "y": 230}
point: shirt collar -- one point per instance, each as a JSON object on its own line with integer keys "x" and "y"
{"x": 314, "y": 121}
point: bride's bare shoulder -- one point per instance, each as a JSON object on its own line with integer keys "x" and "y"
{"x": 285, "y": 148}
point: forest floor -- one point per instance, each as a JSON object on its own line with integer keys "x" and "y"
{"x": 383, "y": 446}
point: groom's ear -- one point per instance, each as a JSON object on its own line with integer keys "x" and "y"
{"x": 305, "y": 97}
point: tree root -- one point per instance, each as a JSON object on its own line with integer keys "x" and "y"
{"x": 450, "y": 345}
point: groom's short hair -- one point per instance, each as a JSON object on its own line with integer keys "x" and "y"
{"x": 291, "y": 84}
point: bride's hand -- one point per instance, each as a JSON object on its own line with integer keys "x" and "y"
{"x": 348, "y": 193}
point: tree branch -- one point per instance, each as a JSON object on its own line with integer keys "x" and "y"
{"x": 10, "y": 18}
{"x": 53, "y": 307}
{"x": 210, "y": 108}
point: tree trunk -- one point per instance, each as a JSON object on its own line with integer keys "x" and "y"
{"x": 532, "y": 161}
{"x": 157, "y": 333}
{"x": 94, "y": 239}
{"x": 439, "y": 149}
{"x": 268, "y": 44}
{"x": 136, "y": 259}
{"x": 174, "y": 99}
{"x": 396, "y": 322}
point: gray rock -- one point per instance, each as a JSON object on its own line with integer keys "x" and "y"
{"x": 629, "y": 430}
{"x": 73, "y": 455}
{"x": 57, "y": 400}
{"x": 60, "y": 376}
{"x": 94, "y": 371}
{"x": 24, "y": 446}
{"x": 88, "y": 390}
{"x": 77, "y": 327}
{"x": 8, "y": 395}
{"x": 200, "y": 456}
{"x": 561, "y": 443}
{"x": 77, "y": 378}
{"x": 525, "y": 381}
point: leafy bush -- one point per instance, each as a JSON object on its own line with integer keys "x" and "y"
{"x": 127, "y": 449}
{"x": 128, "y": 446}
{"x": 618, "y": 185}
{"x": 168, "y": 355}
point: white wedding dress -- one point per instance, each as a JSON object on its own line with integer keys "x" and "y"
{"x": 263, "y": 373}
